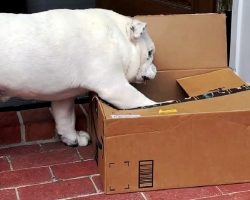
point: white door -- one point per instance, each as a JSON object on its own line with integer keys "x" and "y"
{"x": 240, "y": 39}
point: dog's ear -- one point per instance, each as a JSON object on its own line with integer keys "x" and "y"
{"x": 136, "y": 29}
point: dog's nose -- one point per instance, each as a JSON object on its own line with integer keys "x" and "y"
{"x": 145, "y": 78}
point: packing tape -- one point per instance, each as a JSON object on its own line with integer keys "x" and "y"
{"x": 124, "y": 116}
{"x": 169, "y": 111}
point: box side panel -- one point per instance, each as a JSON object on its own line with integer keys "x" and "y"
{"x": 117, "y": 127}
{"x": 188, "y": 41}
{"x": 198, "y": 150}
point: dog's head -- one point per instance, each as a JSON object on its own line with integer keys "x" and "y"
{"x": 145, "y": 69}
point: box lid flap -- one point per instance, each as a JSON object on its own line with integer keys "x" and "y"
{"x": 200, "y": 84}
{"x": 196, "y": 41}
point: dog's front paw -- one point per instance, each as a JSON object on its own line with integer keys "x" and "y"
{"x": 83, "y": 138}
{"x": 69, "y": 140}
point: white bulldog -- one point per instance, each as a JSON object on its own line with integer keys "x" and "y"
{"x": 59, "y": 54}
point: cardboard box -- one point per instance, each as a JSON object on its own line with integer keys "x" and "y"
{"x": 194, "y": 143}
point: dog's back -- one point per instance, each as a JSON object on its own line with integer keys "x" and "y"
{"x": 44, "y": 52}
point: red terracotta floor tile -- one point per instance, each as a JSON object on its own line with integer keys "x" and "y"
{"x": 87, "y": 152}
{"x": 42, "y": 130}
{"x": 81, "y": 123}
{"x": 24, "y": 177}
{"x": 8, "y": 194}
{"x": 54, "y": 146}
{"x": 185, "y": 194}
{"x": 10, "y": 135}
{"x": 79, "y": 111}
{"x": 35, "y": 115}
{"x": 129, "y": 196}
{"x": 56, "y": 190}
{"x": 44, "y": 159}
{"x": 10, "y": 128}
{"x": 78, "y": 169}
{"x": 4, "y": 165}
{"x": 21, "y": 150}
{"x": 234, "y": 196}
{"x": 98, "y": 182}
{"x": 8, "y": 119}
{"x": 39, "y": 124}
{"x": 234, "y": 188}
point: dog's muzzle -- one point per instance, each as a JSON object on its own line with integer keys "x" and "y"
{"x": 145, "y": 78}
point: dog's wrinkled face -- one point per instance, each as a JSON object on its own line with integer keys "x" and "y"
{"x": 146, "y": 69}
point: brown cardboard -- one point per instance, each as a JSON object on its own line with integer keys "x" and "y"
{"x": 187, "y": 41}
{"x": 203, "y": 83}
{"x": 196, "y": 143}
{"x": 165, "y": 86}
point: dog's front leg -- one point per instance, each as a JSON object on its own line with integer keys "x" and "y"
{"x": 124, "y": 96}
{"x": 64, "y": 115}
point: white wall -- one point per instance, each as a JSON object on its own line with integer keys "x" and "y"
{"x": 240, "y": 39}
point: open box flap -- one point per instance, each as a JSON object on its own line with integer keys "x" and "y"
{"x": 165, "y": 87}
{"x": 195, "y": 41}
{"x": 201, "y": 84}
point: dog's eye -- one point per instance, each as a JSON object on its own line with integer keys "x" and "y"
{"x": 150, "y": 53}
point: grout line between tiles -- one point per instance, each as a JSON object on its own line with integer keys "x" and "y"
{"x": 47, "y": 182}
{"x": 55, "y": 139}
{"x": 143, "y": 196}
{"x": 50, "y": 165}
{"x": 23, "y": 186}
{"x": 80, "y": 156}
{"x": 207, "y": 197}
{"x": 221, "y": 195}
{"x": 53, "y": 177}
{"x": 231, "y": 193}
{"x": 89, "y": 159}
{"x": 219, "y": 190}
{"x": 93, "y": 182}
{"x": 22, "y": 126}
{"x": 17, "y": 194}
{"x": 79, "y": 177}
{"x": 9, "y": 161}
{"x": 83, "y": 195}
{"x": 94, "y": 175}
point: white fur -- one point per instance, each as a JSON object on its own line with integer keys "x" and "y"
{"x": 59, "y": 54}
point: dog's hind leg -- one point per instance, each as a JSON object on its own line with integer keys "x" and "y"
{"x": 3, "y": 96}
{"x": 64, "y": 115}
